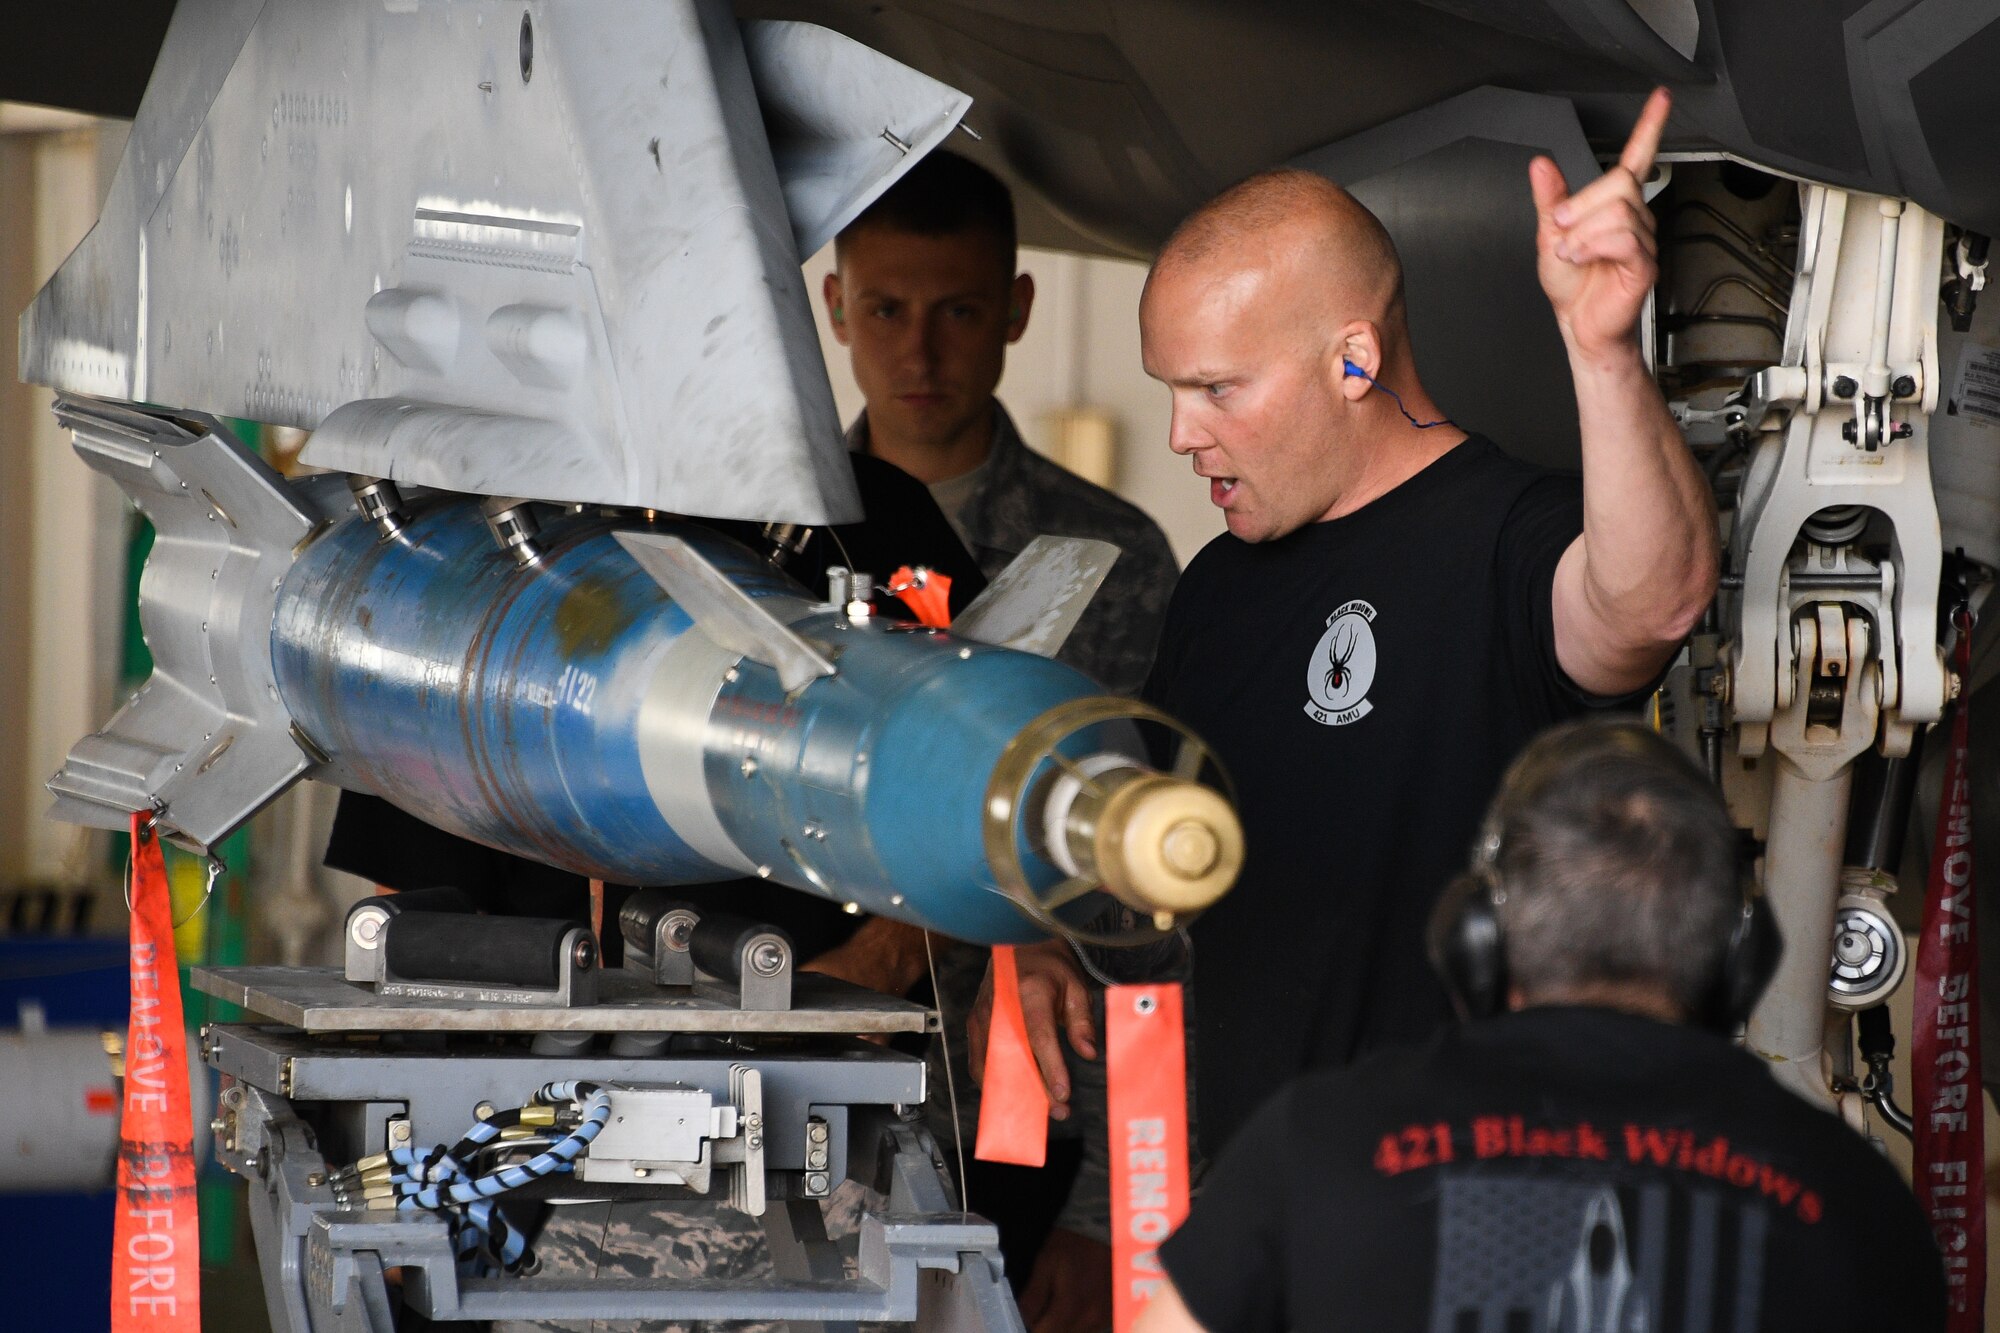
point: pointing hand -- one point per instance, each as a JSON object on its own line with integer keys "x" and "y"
{"x": 1595, "y": 250}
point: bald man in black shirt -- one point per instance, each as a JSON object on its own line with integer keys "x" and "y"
{"x": 1396, "y": 606}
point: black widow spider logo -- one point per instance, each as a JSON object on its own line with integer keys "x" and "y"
{"x": 1345, "y": 639}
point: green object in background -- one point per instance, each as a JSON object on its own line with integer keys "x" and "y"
{"x": 136, "y": 662}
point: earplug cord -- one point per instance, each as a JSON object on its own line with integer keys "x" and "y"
{"x": 1353, "y": 369}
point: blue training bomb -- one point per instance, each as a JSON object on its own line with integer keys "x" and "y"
{"x": 639, "y": 701}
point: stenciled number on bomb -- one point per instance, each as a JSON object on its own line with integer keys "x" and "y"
{"x": 576, "y": 688}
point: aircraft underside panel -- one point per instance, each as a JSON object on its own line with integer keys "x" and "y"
{"x": 540, "y": 251}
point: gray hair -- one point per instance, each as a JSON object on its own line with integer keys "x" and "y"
{"x": 1618, "y": 862}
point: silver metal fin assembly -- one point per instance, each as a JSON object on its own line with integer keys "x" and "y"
{"x": 724, "y": 612}
{"x": 205, "y": 742}
{"x": 1034, "y": 603}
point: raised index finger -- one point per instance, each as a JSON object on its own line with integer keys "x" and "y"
{"x": 1645, "y": 141}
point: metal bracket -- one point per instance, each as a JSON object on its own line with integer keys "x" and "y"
{"x": 746, "y": 1185}
{"x": 368, "y": 964}
{"x": 661, "y": 952}
{"x": 1820, "y": 737}
{"x": 758, "y": 976}
{"x": 659, "y": 1135}
{"x": 325, "y": 1265}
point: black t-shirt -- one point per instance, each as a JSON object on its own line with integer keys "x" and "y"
{"x": 1556, "y": 1169}
{"x": 378, "y": 841}
{"x": 1365, "y": 682}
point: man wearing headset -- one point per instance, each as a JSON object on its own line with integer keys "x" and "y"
{"x": 1591, "y": 1152}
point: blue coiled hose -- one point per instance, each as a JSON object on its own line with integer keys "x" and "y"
{"x": 436, "y": 1180}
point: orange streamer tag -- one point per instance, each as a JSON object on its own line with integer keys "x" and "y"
{"x": 156, "y": 1243}
{"x": 1146, "y": 1058}
{"x": 926, "y": 592}
{"x": 1013, "y": 1103}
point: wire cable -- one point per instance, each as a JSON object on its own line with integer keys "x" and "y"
{"x": 437, "y": 1180}
{"x": 1088, "y": 966}
{"x": 1353, "y": 369}
{"x": 950, "y": 1082}
{"x": 834, "y": 533}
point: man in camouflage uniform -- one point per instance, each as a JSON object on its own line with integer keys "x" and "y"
{"x": 927, "y": 298}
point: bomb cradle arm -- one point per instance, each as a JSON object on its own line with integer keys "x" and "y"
{"x": 769, "y": 1124}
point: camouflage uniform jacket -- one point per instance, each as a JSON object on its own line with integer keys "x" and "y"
{"x": 1024, "y": 496}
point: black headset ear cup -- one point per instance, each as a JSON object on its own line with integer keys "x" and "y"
{"x": 1467, "y": 946}
{"x": 1748, "y": 962}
